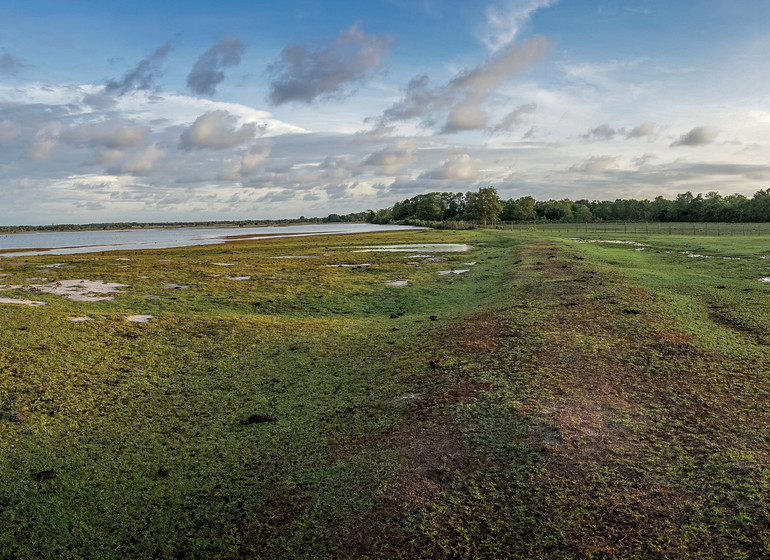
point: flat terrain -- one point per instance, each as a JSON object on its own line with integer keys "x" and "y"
{"x": 292, "y": 398}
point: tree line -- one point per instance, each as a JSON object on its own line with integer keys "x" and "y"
{"x": 486, "y": 206}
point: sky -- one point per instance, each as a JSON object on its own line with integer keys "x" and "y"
{"x": 174, "y": 111}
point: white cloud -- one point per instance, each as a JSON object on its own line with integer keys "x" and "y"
{"x": 9, "y": 130}
{"x": 112, "y": 135}
{"x": 391, "y": 160}
{"x": 644, "y": 129}
{"x": 248, "y": 163}
{"x": 602, "y": 132}
{"x": 305, "y": 73}
{"x": 217, "y": 130}
{"x": 698, "y": 136}
{"x": 45, "y": 140}
{"x": 514, "y": 118}
{"x": 207, "y": 73}
{"x": 465, "y": 96}
{"x": 461, "y": 167}
{"x": 595, "y": 164}
{"x": 144, "y": 162}
{"x": 504, "y": 19}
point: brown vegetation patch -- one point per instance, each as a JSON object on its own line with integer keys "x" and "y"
{"x": 675, "y": 337}
{"x": 481, "y": 333}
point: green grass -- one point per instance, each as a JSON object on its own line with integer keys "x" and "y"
{"x": 592, "y": 401}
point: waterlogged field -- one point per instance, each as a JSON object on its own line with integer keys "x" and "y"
{"x": 527, "y": 397}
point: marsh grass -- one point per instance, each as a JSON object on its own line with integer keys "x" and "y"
{"x": 560, "y": 399}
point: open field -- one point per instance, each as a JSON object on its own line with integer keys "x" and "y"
{"x": 718, "y": 229}
{"x": 563, "y": 398}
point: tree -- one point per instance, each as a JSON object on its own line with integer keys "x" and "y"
{"x": 382, "y": 216}
{"x": 581, "y": 213}
{"x": 402, "y": 210}
{"x": 452, "y": 205}
{"x": 428, "y": 207}
{"x": 483, "y": 206}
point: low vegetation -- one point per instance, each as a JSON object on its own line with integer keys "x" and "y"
{"x": 294, "y": 398}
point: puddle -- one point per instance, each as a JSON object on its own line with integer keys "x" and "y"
{"x": 238, "y": 277}
{"x": 408, "y": 397}
{"x": 294, "y": 257}
{"x": 139, "y": 318}
{"x": 469, "y": 264}
{"x": 429, "y": 260}
{"x": 339, "y": 265}
{"x": 122, "y": 259}
{"x": 610, "y": 241}
{"x": 80, "y": 290}
{"x": 172, "y": 286}
{"x": 695, "y": 255}
{"x": 428, "y": 248}
{"x": 459, "y": 271}
{"x": 765, "y": 279}
{"x": 79, "y": 319}
{"x": 4, "y": 288}
{"x": 397, "y": 283}
{"x": 22, "y": 301}
{"x": 223, "y": 264}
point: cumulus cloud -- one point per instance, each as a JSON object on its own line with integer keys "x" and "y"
{"x": 144, "y": 162}
{"x": 108, "y": 156}
{"x": 247, "y": 164}
{"x": 594, "y": 164}
{"x": 644, "y": 129}
{"x": 464, "y": 96}
{"x": 10, "y": 64}
{"x": 644, "y": 160}
{"x": 698, "y": 136}
{"x": 45, "y": 139}
{"x": 514, "y": 117}
{"x": 112, "y": 135}
{"x": 461, "y": 167}
{"x": 465, "y": 116}
{"x": 8, "y": 130}
{"x": 207, "y": 72}
{"x": 305, "y": 73}
{"x": 335, "y": 168}
{"x": 393, "y": 158}
{"x": 143, "y": 75}
{"x": 505, "y": 18}
{"x": 217, "y": 130}
{"x": 602, "y": 132}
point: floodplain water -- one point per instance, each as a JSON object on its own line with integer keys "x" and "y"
{"x": 94, "y": 241}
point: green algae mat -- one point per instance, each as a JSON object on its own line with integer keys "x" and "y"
{"x": 453, "y": 394}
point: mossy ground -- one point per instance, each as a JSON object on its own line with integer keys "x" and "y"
{"x": 584, "y": 400}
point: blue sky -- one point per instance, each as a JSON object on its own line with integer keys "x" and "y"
{"x": 161, "y": 111}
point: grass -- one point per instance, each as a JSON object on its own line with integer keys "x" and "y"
{"x": 562, "y": 399}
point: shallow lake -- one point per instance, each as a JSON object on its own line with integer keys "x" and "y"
{"x": 92, "y": 241}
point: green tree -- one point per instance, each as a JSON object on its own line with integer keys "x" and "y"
{"x": 581, "y": 213}
{"x": 383, "y": 216}
{"x": 402, "y": 210}
{"x": 484, "y": 205}
{"x": 428, "y": 207}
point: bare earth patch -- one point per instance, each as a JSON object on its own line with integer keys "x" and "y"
{"x": 80, "y": 290}
{"x": 22, "y": 302}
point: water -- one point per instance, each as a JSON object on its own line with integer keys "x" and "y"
{"x": 92, "y": 241}
{"x": 426, "y": 247}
